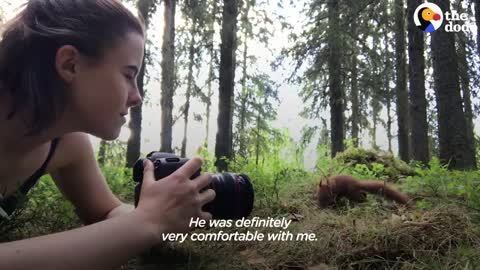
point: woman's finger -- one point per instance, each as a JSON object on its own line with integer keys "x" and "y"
{"x": 205, "y": 215}
{"x": 203, "y": 180}
{"x": 190, "y": 168}
{"x": 206, "y": 196}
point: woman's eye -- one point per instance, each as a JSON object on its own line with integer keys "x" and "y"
{"x": 129, "y": 77}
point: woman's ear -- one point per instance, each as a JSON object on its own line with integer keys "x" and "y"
{"x": 66, "y": 62}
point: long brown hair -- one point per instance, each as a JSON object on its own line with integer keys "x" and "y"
{"x": 29, "y": 43}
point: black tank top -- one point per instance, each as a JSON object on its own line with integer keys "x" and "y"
{"x": 10, "y": 203}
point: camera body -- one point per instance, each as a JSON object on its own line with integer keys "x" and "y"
{"x": 234, "y": 192}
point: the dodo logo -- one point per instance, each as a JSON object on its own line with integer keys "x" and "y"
{"x": 428, "y": 17}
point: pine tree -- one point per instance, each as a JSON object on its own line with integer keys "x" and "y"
{"x": 401, "y": 82}
{"x": 418, "y": 103}
{"x": 223, "y": 146}
{"x": 168, "y": 68}
{"x": 146, "y": 8}
{"x": 453, "y": 140}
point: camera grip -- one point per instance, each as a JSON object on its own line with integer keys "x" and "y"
{"x": 163, "y": 167}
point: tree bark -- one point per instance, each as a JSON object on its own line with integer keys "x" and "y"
{"x": 373, "y": 131}
{"x": 354, "y": 85}
{"x": 244, "y": 94}
{"x": 223, "y": 146}
{"x": 135, "y": 125}
{"x": 401, "y": 82}
{"x": 190, "y": 84}
{"x": 453, "y": 141}
{"x": 211, "y": 73}
{"x": 477, "y": 21}
{"x": 336, "y": 96}
{"x": 418, "y": 101}
{"x": 465, "y": 87}
{"x": 168, "y": 68}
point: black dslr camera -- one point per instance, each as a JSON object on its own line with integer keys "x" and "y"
{"x": 234, "y": 192}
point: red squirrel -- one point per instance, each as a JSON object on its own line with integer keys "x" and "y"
{"x": 336, "y": 187}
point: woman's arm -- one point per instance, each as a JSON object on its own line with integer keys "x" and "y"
{"x": 77, "y": 175}
{"x": 165, "y": 206}
{"x": 121, "y": 210}
{"x": 103, "y": 245}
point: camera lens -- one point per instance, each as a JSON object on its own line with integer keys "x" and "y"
{"x": 234, "y": 196}
{"x": 234, "y": 192}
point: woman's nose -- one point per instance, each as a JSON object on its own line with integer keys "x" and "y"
{"x": 134, "y": 99}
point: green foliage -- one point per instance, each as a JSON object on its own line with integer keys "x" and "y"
{"x": 120, "y": 181}
{"x": 114, "y": 153}
{"x": 278, "y": 168}
{"x": 43, "y": 211}
{"x": 283, "y": 186}
{"x": 357, "y": 164}
{"x": 437, "y": 182}
{"x": 370, "y": 163}
{"x": 274, "y": 178}
{"x": 46, "y": 197}
{"x": 477, "y": 149}
{"x": 208, "y": 159}
{"x": 376, "y": 170}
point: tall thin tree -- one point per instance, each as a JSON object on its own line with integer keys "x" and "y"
{"x": 211, "y": 66}
{"x": 336, "y": 95}
{"x": 355, "y": 118}
{"x": 418, "y": 102}
{"x": 453, "y": 140}
{"x": 401, "y": 82}
{"x": 146, "y": 8}
{"x": 168, "y": 69}
{"x": 244, "y": 92}
{"x": 223, "y": 143}
{"x": 477, "y": 21}
{"x": 193, "y": 9}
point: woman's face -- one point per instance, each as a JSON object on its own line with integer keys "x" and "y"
{"x": 101, "y": 93}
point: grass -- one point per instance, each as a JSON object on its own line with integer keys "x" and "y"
{"x": 439, "y": 234}
{"x": 373, "y": 235}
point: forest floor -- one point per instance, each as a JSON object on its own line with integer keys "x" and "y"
{"x": 438, "y": 234}
{"x": 371, "y": 235}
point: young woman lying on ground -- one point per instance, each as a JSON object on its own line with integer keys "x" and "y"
{"x": 68, "y": 69}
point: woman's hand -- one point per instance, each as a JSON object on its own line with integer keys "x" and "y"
{"x": 168, "y": 205}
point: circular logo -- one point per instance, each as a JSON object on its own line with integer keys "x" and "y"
{"x": 428, "y": 17}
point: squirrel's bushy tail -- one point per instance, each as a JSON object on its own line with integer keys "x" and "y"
{"x": 382, "y": 188}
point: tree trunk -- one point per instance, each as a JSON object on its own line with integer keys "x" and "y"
{"x": 386, "y": 79}
{"x": 335, "y": 87}
{"x": 465, "y": 87}
{"x": 135, "y": 124}
{"x": 102, "y": 152}
{"x": 244, "y": 94}
{"x": 354, "y": 86}
{"x": 418, "y": 101}
{"x": 453, "y": 139}
{"x": 223, "y": 147}
{"x": 401, "y": 83}
{"x": 168, "y": 68}
{"x": 190, "y": 84}
{"x": 389, "y": 124}
{"x": 257, "y": 143}
{"x": 477, "y": 21}
{"x": 211, "y": 73}
{"x": 374, "y": 121}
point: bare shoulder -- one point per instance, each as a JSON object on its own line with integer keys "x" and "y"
{"x": 72, "y": 147}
